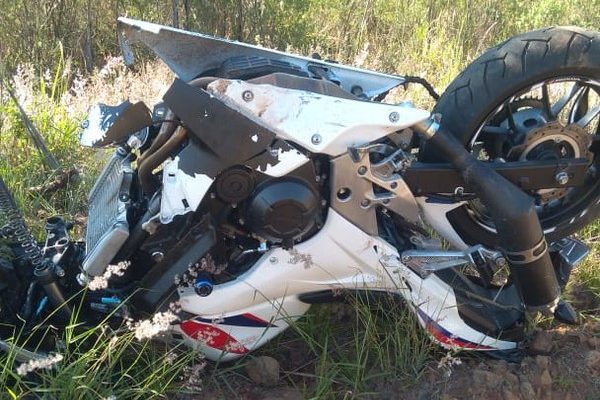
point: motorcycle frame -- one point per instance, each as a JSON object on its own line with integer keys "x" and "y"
{"x": 243, "y": 314}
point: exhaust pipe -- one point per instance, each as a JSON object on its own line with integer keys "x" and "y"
{"x": 521, "y": 236}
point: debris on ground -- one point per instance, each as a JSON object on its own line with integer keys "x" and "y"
{"x": 263, "y": 370}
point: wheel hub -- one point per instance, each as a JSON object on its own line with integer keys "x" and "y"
{"x": 552, "y": 141}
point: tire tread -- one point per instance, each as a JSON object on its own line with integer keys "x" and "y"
{"x": 507, "y": 68}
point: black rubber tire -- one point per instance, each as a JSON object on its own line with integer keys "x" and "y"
{"x": 495, "y": 76}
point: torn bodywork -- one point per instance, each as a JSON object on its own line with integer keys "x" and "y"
{"x": 191, "y": 54}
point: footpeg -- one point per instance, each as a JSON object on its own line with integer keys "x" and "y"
{"x": 572, "y": 250}
{"x": 425, "y": 262}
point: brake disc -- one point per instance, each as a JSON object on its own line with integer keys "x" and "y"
{"x": 553, "y": 141}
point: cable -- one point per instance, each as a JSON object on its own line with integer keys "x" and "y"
{"x": 423, "y": 82}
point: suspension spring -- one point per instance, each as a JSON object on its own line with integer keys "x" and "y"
{"x": 14, "y": 226}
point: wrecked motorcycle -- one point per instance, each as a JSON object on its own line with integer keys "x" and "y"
{"x": 266, "y": 182}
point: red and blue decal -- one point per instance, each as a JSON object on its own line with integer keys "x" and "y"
{"x": 212, "y": 336}
{"x": 246, "y": 319}
{"x": 447, "y": 338}
{"x": 209, "y": 332}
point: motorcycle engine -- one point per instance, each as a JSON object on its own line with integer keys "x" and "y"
{"x": 281, "y": 210}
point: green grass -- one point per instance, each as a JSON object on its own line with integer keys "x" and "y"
{"x": 377, "y": 343}
{"x": 99, "y": 363}
{"x": 345, "y": 350}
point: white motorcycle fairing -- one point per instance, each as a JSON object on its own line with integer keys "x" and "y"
{"x": 244, "y": 314}
{"x": 321, "y": 124}
{"x": 189, "y": 54}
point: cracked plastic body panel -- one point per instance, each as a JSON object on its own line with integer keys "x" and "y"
{"x": 190, "y": 54}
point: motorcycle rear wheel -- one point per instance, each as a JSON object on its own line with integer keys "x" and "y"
{"x": 534, "y": 96}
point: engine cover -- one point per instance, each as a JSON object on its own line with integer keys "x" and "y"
{"x": 234, "y": 184}
{"x": 283, "y": 210}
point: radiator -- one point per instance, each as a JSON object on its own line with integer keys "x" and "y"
{"x": 107, "y": 227}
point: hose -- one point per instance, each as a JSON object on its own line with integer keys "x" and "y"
{"x": 166, "y": 130}
{"x": 166, "y": 141}
{"x": 147, "y": 179}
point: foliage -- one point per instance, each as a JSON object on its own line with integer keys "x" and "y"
{"x": 98, "y": 363}
{"x": 433, "y": 37}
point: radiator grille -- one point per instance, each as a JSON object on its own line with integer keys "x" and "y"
{"x": 107, "y": 227}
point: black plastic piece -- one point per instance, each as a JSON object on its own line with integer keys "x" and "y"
{"x": 247, "y": 67}
{"x": 229, "y": 136}
{"x": 511, "y": 356}
{"x": 119, "y": 122}
{"x": 561, "y": 268}
{"x": 565, "y": 313}
{"x": 300, "y": 83}
{"x": 45, "y": 275}
{"x": 158, "y": 284}
{"x": 425, "y": 178}
{"x": 283, "y": 210}
{"x": 496, "y": 312}
{"x": 138, "y": 234}
{"x": 323, "y": 72}
{"x": 320, "y": 297}
{"x": 388, "y": 300}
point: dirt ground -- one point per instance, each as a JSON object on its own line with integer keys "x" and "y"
{"x": 563, "y": 363}
{"x": 560, "y": 362}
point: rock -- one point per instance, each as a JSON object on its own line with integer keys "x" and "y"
{"x": 594, "y": 342}
{"x": 508, "y": 394}
{"x": 487, "y": 378}
{"x": 592, "y": 361}
{"x": 593, "y": 326}
{"x": 424, "y": 394}
{"x": 546, "y": 379}
{"x": 263, "y": 370}
{"x": 512, "y": 380}
{"x": 446, "y": 396}
{"x": 584, "y": 298}
{"x": 542, "y": 362}
{"x": 526, "y": 390}
{"x": 541, "y": 344}
{"x": 284, "y": 393}
{"x": 500, "y": 367}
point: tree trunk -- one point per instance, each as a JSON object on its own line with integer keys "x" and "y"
{"x": 175, "y": 14}
{"x": 88, "y": 49}
{"x": 240, "y": 21}
{"x": 186, "y": 9}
